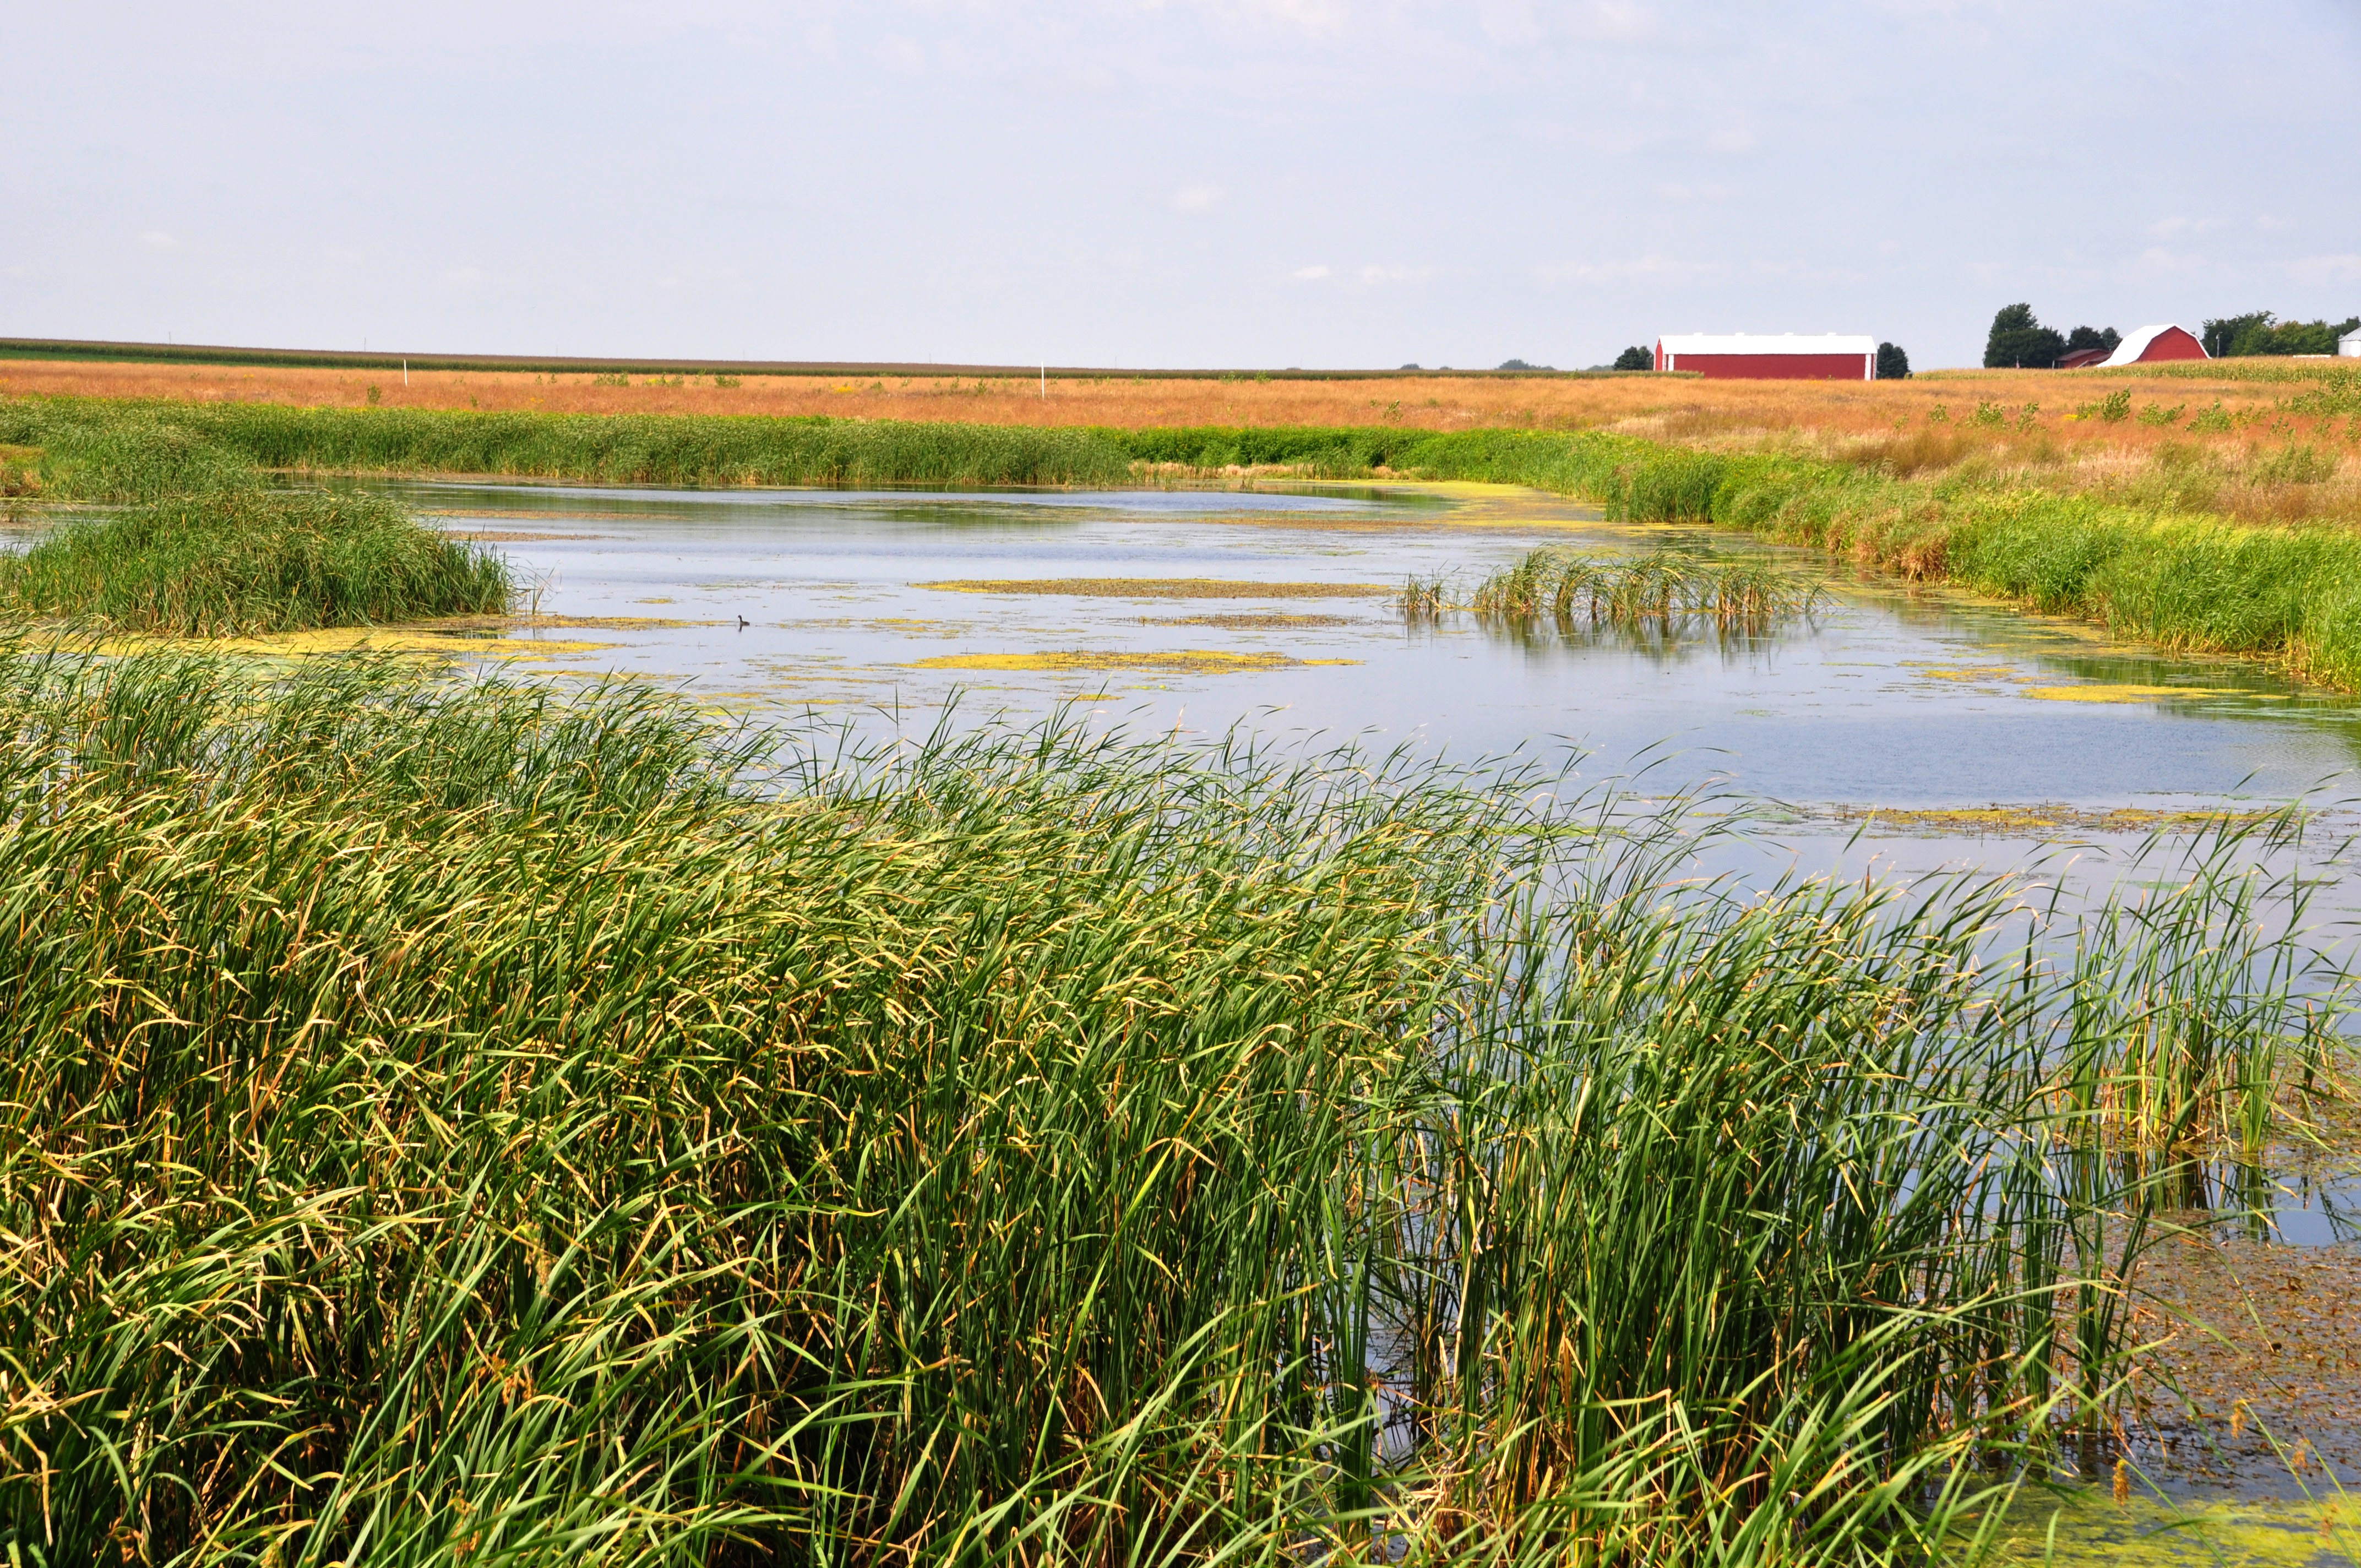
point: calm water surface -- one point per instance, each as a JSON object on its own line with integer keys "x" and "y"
{"x": 1886, "y": 698}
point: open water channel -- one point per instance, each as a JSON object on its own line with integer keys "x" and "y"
{"x": 1893, "y": 731}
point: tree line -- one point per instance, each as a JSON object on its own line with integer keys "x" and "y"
{"x": 2018, "y": 338}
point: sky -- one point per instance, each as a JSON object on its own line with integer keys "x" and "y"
{"x": 1168, "y": 184}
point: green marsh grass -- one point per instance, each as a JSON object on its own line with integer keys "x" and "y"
{"x": 245, "y": 562}
{"x": 467, "y": 1123}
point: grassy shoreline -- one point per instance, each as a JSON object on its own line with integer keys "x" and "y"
{"x": 2179, "y": 578}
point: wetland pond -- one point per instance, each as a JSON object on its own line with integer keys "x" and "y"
{"x": 1209, "y": 610}
{"x": 1889, "y": 731}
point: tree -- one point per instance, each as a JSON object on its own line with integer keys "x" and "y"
{"x": 1892, "y": 365}
{"x": 2018, "y": 338}
{"x": 2260, "y": 332}
{"x": 1635, "y": 359}
{"x": 2083, "y": 337}
{"x": 2222, "y": 334}
{"x": 1521, "y": 365}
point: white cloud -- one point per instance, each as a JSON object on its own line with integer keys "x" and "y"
{"x": 1396, "y": 274}
{"x": 2326, "y": 269}
{"x": 1195, "y": 198}
{"x": 2156, "y": 258}
{"x": 1735, "y": 140}
{"x": 1314, "y": 17}
{"x": 1310, "y": 273}
{"x": 1610, "y": 21}
{"x": 157, "y": 239}
{"x": 902, "y": 57}
{"x": 1526, "y": 22}
{"x": 1705, "y": 192}
{"x": 1661, "y": 267}
{"x": 463, "y": 277}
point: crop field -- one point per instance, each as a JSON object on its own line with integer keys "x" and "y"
{"x": 466, "y": 1119}
{"x": 2259, "y": 440}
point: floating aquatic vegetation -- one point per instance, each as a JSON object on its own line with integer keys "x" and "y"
{"x": 2100, "y": 692}
{"x": 1256, "y": 620}
{"x": 1189, "y": 661}
{"x": 1163, "y": 589}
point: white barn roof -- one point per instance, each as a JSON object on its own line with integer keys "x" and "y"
{"x": 1765, "y": 343}
{"x": 2135, "y": 343}
{"x": 2349, "y": 345}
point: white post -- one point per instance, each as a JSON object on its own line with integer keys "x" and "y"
{"x": 405, "y": 370}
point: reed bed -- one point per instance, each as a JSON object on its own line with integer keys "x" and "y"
{"x": 1670, "y": 584}
{"x": 197, "y": 543}
{"x": 455, "y": 1122}
{"x": 248, "y": 561}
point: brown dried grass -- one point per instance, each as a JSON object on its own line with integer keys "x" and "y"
{"x": 1704, "y": 412}
{"x": 1925, "y": 427}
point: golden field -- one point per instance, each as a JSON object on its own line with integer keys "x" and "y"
{"x": 2249, "y": 457}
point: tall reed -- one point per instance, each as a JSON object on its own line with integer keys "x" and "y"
{"x": 467, "y": 1122}
{"x": 1670, "y": 584}
{"x": 237, "y": 560}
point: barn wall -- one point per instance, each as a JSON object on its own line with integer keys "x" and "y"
{"x": 1775, "y": 366}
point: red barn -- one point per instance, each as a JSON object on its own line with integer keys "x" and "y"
{"x": 1787, "y": 357}
{"x": 2154, "y": 344}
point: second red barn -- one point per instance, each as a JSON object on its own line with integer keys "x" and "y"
{"x": 1787, "y": 357}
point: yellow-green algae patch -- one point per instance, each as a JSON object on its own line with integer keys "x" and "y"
{"x": 1973, "y": 672}
{"x": 481, "y": 625}
{"x": 1193, "y": 660}
{"x": 464, "y": 642}
{"x": 2101, "y": 693}
{"x": 1162, "y": 588}
{"x": 2093, "y": 1527}
{"x": 1252, "y": 621}
{"x": 1981, "y": 821}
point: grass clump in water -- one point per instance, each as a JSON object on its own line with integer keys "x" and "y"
{"x": 243, "y": 562}
{"x": 1658, "y": 590}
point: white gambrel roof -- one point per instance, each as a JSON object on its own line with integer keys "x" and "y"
{"x": 2135, "y": 343}
{"x": 1765, "y": 343}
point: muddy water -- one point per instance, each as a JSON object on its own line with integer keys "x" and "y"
{"x": 1945, "y": 732}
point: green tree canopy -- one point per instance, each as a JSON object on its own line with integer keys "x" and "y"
{"x": 2083, "y": 337}
{"x": 2260, "y": 331}
{"x": 2019, "y": 338}
{"x": 1635, "y": 359}
{"x": 1892, "y": 365}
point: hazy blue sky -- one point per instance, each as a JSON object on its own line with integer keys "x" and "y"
{"x": 1167, "y": 181}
